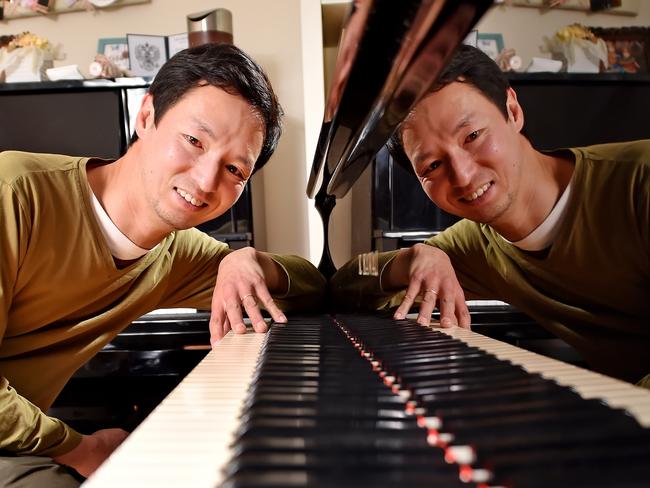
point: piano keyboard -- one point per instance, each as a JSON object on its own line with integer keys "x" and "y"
{"x": 191, "y": 430}
{"x": 407, "y": 405}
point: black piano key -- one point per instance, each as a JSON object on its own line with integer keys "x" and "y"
{"x": 324, "y": 402}
{"x": 590, "y": 473}
{"x": 423, "y": 460}
{"x": 598, "y": 438}
{"x": 447, "y": 416}
{"x": 346, "y": 479}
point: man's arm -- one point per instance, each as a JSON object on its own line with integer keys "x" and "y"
{"x": 250, "y": 278}
{"x": 92, "y": 451}
{"x": 26, "y": 430}
{"x": 426, "y": 271}
{"x": 423, "y": 270}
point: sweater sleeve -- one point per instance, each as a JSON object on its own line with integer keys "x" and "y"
{"x": 469, "y": 251}
{"x": 350, "y": 291}
{"x": 307, "y": 285}
{"x": 24, "y": 428}
{"x": 466, "y": 247}
{"x": 196, "y": 259}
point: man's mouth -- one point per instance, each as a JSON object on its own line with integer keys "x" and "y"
{"x": 189, "y": 198}
{"x": 477, "y": 193}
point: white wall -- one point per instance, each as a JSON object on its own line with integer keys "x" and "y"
{"x": 284, "y": 36}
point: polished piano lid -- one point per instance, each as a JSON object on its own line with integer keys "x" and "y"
{"x": 390, "y": 53}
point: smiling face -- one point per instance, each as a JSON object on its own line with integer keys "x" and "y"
{"x": 195, "y": 162}
{"x": 465, "y": 153}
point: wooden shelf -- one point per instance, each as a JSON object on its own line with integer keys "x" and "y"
{"x": 14, "y": 11}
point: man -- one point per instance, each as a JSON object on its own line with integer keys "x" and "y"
{"x": 562, "y": 236}
{"x": 87, "y": 246}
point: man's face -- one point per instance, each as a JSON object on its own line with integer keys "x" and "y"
{"x": 465, "y": 153}
{"x": 196, "y": 161}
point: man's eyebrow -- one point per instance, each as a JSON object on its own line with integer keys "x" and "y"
{"x": 464, "y": 122}
{"x": 204, "y": 128}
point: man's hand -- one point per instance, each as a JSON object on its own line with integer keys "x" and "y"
{"x": 428, "y": 272}
{"x": 93, "y": 451}
{"x": 244, "y": 277}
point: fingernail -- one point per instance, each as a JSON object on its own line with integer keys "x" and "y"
{"x": 399, "y": 316}
{"x": 261, "y": 326}
{"x": 215, "y": 342}
{"x": 283, "y": 318}
{"x": 446, "y": 322}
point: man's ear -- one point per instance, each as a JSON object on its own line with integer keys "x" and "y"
{"x": 145, "y": 119}
{"x": 515, "y": 113}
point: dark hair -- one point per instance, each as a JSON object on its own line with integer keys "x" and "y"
{"x": 468, "y": 65}
{"x": 223, "y": 66}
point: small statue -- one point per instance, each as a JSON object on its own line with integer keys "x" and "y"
{"x": 508, "y": 60}
{"x": 102, "y": 67}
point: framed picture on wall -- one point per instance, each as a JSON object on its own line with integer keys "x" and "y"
{"x": 176, "y": 43}
{"x": 146, "y": 54}
{"x": 116, "y": 51}
{"x": 628, "y": 48}
{"x": 490, "y": 44}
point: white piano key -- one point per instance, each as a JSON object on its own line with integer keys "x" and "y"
{"x": 185, "y": 438}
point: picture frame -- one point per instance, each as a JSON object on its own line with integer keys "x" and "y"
{"x": 147, "y": 53}
{"x": 490, "y": 43}
{"x": 116, "y": 51}
{"x": 628, "y": 48}
{"x": 176, "y": 43}
{"x": 472, "y": 38}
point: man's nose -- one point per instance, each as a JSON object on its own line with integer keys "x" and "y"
{"x": 207, "y": 175}
{"x": 462, "y": 169}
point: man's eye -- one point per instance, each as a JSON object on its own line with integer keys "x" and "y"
{"x": 235, "y": 170}
{"x": 193, "y": 140}
{"x": 430, "y": 168}
{"x": 472, "y": 136}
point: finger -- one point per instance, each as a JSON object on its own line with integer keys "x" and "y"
{"x": 447, "y": 307}
{"x": 226, "y": 326}
{"x": 217, "y": 317}
{"x": 253, "y": 312}
{"x": 427, "y": 306}
{"x": 233, "y": 310}
{"x": 411, "y": 292}
{"x": 269, "y": 304}
{"x": 462, "y": 312}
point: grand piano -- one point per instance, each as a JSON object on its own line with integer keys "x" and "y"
{"x": 352, "y": 400}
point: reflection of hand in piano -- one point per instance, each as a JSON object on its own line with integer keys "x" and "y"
{"x": 427, "y": 272}
{"x": 244, "y": 278}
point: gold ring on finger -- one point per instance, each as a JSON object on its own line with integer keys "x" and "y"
{"x": 246, "y": 296}
{"x": 435, "y": 292}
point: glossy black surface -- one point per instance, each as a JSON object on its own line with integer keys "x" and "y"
{"x": 560, "y": 110}
{"x": 389, "y": 54}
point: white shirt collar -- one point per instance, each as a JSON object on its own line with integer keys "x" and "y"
{"x": 121, "y": 246}
{"x": 544, "y": 235}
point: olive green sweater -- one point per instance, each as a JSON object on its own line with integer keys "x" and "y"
{"x": 591, "y": 289}
{"x": 62, "y": 298}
